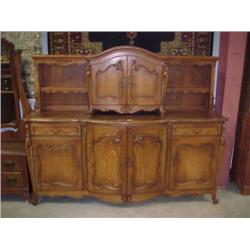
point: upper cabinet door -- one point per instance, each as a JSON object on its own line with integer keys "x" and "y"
{"x": 57, "y": 163}
{"x": 194, "y": 161}
{"x": 146, "y": 160}
{"x": 144, "y": 81}
{"x": 106, "y": 146}
{"x": 107, "y": 83}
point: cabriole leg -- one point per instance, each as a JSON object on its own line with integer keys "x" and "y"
{"x": 214, "y": 198}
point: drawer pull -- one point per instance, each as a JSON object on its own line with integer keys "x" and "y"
{"x": 197, "y": 130}
{"x": 117, "y": 140}
{"x": 10, "y": 164}
{"x": 139, "y": 139}
{"x": 12, "y": 181}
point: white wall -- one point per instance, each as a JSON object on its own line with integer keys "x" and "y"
{"x": 215, "y": 52}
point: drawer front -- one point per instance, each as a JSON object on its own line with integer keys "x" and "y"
{"x": 196, "y": 130}
{"x": 12, "y": 180}
{"x": 13, "y": 163}
{"x": 54, "y": 129}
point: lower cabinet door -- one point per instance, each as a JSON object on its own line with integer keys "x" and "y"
{"x": 146, "y": 160}
{"x": 57, "y": 164}
{"x": 194, "y": 162}
{"x": 106, "y": 159}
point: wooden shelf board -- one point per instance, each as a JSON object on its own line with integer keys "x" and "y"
{"x": 7, "y": 92}
{"x": 63, "y": 107}
{"x": 188, "y": 90}
{"x": 63, "y": 90}
{"x": 6, "y": 76}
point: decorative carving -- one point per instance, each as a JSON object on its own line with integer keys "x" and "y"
{"x": 212, "y": 104}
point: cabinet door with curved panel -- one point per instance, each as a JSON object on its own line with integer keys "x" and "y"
{"x": 107, "y": 83}
{"x": 146, "y": 161}
{"x": 194, "y": 162}
{"x": 106, "y": 165}
{"x": 57, "y": 164}
{"x": 144, "y": 82}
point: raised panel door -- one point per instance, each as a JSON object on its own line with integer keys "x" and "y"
{"x": 194, "y": 161}
{"x": 144, "y": 81}
{"x": 107, "y": 85}
{"x": 106, "y": 164}
{"x": 57, "y": 164}
{"x": 146, "y": 159}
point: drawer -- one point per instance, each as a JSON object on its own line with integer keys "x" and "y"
{"x": 13, "y": 163}
{"x": 44, "y": 129}
{"x": 196, "y": 130}
{"x": 12, "y": 180}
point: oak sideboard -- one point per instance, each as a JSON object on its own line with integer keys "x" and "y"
{"x": 125, "y": 125}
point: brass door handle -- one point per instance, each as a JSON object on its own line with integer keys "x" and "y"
{"x": 129, "y": 197}
{"x": 139, "y": 139}
{"x": 117, "y": 140}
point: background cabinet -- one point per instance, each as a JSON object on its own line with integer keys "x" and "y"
{"x": 14, "y": 106}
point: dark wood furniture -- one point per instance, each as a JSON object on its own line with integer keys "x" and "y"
{"x": 158, "y": 134}
{"x": 241, "y": 160}
{"x": 14, "y": 105}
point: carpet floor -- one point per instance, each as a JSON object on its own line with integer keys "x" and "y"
{"x": 231, "y": 205}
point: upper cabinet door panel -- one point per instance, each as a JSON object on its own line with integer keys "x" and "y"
{"x": 105, "y": 159}
{"x": 189, "y": 75}
{"x": 144, "y": 81}
{"x": 107, "y": 80}
{"x": 146, "y": 159}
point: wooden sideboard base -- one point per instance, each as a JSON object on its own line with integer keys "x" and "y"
{"x": 122, "y": 159}
{"x": 36, "y": 198}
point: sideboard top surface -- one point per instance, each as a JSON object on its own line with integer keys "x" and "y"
{"x": 128, "y": 119}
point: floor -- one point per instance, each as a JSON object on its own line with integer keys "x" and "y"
{"x": 231, "y": 204}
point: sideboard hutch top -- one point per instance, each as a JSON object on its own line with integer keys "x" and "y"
{"x": 126, "y": 80}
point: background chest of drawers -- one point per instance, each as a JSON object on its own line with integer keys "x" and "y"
{"x": 14, "y": 170}
{"x": 14, "y": 106}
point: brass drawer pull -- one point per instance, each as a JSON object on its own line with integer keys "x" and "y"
{"x": 197, "y": 130}
{"x": 10, "y": 164}
{"x": 139, "y": 139}
{"x": 117, "y": 140}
